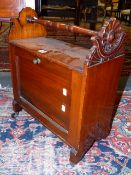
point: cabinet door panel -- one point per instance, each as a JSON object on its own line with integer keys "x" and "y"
{"x": 42, "y": 85}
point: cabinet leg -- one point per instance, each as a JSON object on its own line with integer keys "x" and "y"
{"x": 76, "y": 156}
{"x": 14, "y": 114}
{"x": 17, "y": 108}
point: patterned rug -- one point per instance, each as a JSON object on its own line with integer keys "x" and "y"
{"x": 28, "y": 148}
{"x": 65, "y": 36}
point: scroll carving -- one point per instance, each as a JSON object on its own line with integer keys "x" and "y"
{"x": 107, "y": 44}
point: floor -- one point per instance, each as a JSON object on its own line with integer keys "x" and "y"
{"x": 5, "y": 81}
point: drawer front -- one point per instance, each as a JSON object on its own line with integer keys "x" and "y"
{"x": 46, "y": 85}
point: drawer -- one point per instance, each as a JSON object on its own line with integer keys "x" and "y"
{"x": 46, "y": 86}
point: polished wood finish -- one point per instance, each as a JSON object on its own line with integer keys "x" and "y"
{"x": 22, "y": 29}
{"x": 70, "y": 89}
{"x": 62, "y": 26}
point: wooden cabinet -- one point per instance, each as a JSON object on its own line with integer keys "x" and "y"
{"x": 70, "y": 89}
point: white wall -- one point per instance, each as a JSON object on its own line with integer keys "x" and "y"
{"x": 30, "y": 3}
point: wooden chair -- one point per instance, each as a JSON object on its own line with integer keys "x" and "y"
{"x": 89, "y": 12}
{"x": 58, "y": 9}
{"x": 126, "y": 15}
{"x": 126, "y": 11}
{"x": 101, "y": 6}
{"x": 101, "y": 10}
{"x": 112, "y": 8}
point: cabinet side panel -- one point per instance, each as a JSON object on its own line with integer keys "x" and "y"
{"x": 77, "y": 96}
{"x": 100, "y": 94}
{"x": 13, "y": 69}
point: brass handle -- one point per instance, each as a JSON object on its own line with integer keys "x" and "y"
{"x": 37, "y": 61}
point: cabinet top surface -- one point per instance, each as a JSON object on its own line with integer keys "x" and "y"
{"x": 72, "y": 56}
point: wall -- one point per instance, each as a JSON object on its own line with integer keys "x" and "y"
{"x": 30, "y": 3}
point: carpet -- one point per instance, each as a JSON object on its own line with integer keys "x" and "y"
{"x": 28, "y": 148}
{"x": 68, "y": 37}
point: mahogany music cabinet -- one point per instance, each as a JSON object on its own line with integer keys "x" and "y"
{"x": 70, "y": 89}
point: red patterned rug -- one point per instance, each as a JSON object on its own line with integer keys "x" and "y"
{"x": 28, "y": 148}
{"x": 68, "y": 37}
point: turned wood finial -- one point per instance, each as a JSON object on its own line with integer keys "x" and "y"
{"x": 108, "y": 43}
